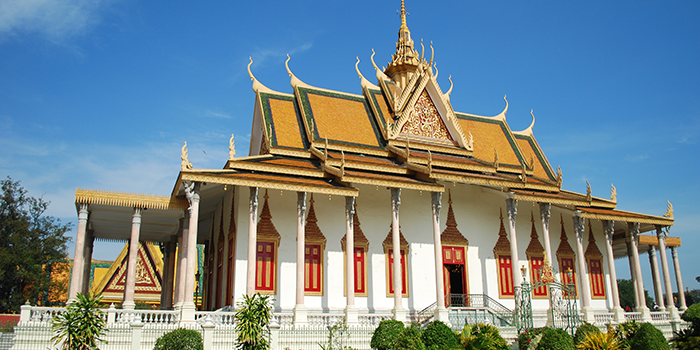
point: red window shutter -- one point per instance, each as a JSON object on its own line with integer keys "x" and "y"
{"x": 505, "y": 275}
{"x": 595, "y": 267}
{"x": 265, "y": 269}
{"x": 565, "y": 264}
{"x": 536, "y": 262}
{"x": 313, "y": 268}
{"x": 359, "y": 269}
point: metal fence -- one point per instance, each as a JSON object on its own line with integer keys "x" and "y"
{"x": 307, "y": 338}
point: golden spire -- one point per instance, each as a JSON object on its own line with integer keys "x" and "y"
{"x": 405, "y": 54}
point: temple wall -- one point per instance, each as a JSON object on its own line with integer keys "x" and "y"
{"x": 477, "y": 214}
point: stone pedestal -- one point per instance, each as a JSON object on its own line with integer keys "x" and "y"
{"x": 352, "y": 314}
{"x": 300, "y": 315}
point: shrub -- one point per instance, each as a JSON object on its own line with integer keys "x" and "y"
{"x": 82, "y": 325}
{"x": 482, "y": 337}
{"x": 689, "y": 338}
{"x": 583, "y": 331}
{"x": 648, "y": 337}
{"x": 253, "y": 321}
{"x": 438, "y": 336}
{"x": 555, "y": 339}
{"x": 525, "y": 338}
{"x": 180, "y": 339}
{"x": 692, "y": 315}
{"x": 409, "y": 339}
{"x": 386, "y": 334}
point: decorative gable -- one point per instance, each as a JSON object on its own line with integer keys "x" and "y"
{"x": 424, "y": 120}
{"x": 148, "y": 278}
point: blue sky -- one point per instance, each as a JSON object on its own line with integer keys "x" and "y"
{"x": 101, "y": 94}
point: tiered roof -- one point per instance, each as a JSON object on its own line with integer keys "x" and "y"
{"x": 401, "y": 133}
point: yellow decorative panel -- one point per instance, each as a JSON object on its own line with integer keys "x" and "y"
{"x": 286, "y": 124}
{"x": 333, "y": 116}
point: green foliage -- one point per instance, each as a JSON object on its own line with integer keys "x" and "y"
{"x": 626, "y": 292}
{"x": 482, "y": 337}
{"x": 180, "y": 339}
{"x": 438, "y": 336}
{"x": 252, "y": 322}
{"x": 555, "y": 339}
{"x": 526, "y": 337}
{"x": 583, "y": 331}
{"x": 689, "y": 338}
{"x": 81, "y": 325}
{"x": 29, "y": 242}
{"x": 8, "y": 327}
{"x": 409, "y": 339}
{"x": 648, "y": 337}
{"x": 386, "y": 334}
{"x": 601, "y": 341}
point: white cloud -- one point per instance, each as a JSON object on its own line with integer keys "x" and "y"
{"x": 55, "y": 19}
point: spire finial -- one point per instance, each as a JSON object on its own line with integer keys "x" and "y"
{"x": 403, "y": 16}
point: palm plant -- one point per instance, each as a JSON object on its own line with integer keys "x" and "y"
{"x": 601, "y": 341}
{"x": 81, "y": 326}
{"x": 252, "y": 322}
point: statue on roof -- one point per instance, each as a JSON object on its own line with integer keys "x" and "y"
{"x": 231, "y": 149}
{"x": 185, "y": 165}
{"x": 669, "y": 210}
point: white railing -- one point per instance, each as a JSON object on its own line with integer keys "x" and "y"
{"x": 42, "y": 314}
{"x": 325, "y": 320}
{"x": 634, "y": 316}
{"x": 372, "y": 320}
{"x": 660, "y": 316}
{"x": 217, "y": 317}
{"x": 146, "y": 316}
{"x": 603, "y": 318}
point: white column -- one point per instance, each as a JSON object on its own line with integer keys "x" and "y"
{"x": 351, "y": 311}
{"x": 87, "y": 261}
{"x": 670, "y": 305}
{"x": 512, "y": 210}
{"x": 619, "y": 314}
{"x": 441, "y": 313}
{"x": 399, "y": 311}
{"x": 300, "y": 312}
{"x": 634, "y": 242}
{"x": 658, "y": 291}
{"x": 130, "y": 283}
{"x": 584, "y": 282}
{"x": 252, "y": 239}
{"x": 181, "y": 261}
{"x": 169, "y": 274}
{"x": 76, "y": 280}
{"x": 188, "y": 306}
{"x": 545, "y": 213}
{"x": 679, "y": 280}
{"x": 633, "y": 276}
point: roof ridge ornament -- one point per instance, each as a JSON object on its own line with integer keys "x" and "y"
{"x": 363, "y": 82}
{"x": 257, "y": 86}
{"x": 502, "y": 115}
{"x": 613, "y": 193}
{"x": 669, "y": 210}
{"x": 380, "y": 72}
{"x": 295, "y": 82}
{"x": 436, "y": 70}
{"x": 588, "y": 191}
{"x": 185, "y": 164}
{"x": 447, "y": 94}
{"x": 559, "y": 176}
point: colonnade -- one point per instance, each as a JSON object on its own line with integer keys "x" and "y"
{"x": 184, "y": 281}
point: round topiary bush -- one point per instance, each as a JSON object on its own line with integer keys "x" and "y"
{"x": 437, "y": 336}
{"x": 486, "y": 336}
{"x": 583, "y": 331}
{"x": 180, "y": 339}
{"x": 648, "y": 337}
{"x": 386, "y": 334}
{"x": 409, "y": 339}
{"x": 555, "y": 339}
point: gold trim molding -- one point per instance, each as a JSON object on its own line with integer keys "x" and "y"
{"x": 130, "y": 200}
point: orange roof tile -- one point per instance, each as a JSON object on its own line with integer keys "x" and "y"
{"x": 531, "y": 154}
{"x": 285, "y": 124}
{"x": 490, "y": 134}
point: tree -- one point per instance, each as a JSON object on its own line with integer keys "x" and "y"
{"x": 29, "y": 242}
{"x": 626, "y": 290}
{"x": 253, "y": 322}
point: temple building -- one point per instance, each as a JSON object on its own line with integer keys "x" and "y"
{"x": 382, "y": 202}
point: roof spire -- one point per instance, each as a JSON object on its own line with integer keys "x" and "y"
{"x": 405, "y": 54}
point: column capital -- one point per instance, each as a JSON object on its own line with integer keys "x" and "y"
{"x": 674, "y": 252}
{"x": 253, "y": 199}
{"x": 83, "y": 213}
{"x": 545, "y": 212}
{"x": 609, "y": 229}
{"x": 301, "y": 203}
{"x": 579, "y": 225}
{"x": 512, "y": 208}
{"x": 396, "y": 199}
{"x": 633, "y": 231}
{"x": 136, "y": 217}
{"x": 350, "y": 206}
{"x": 191, "y": 192}
{"x": 437, "y": 201}
{"x": 652, "y": 251}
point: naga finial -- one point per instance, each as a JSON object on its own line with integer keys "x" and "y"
{"x": 185, "y": 165}
{"x": 559, "y": 176}
{"x": 451, "y": 85}
{"x": 588, "y": 191}
{"x": 613, "y": 193}
{"x": 669, "y": 210}
{"x": 231, "y": 149}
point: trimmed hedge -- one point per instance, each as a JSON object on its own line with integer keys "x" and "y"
{"x": 648, "y": 337}
{"x": 180, "y": 339}
{"x": 409, "y": 339}
{"x": 556, "y": 339}
{"x": 386, "y": 334}
{"x": 438, "y": 336}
